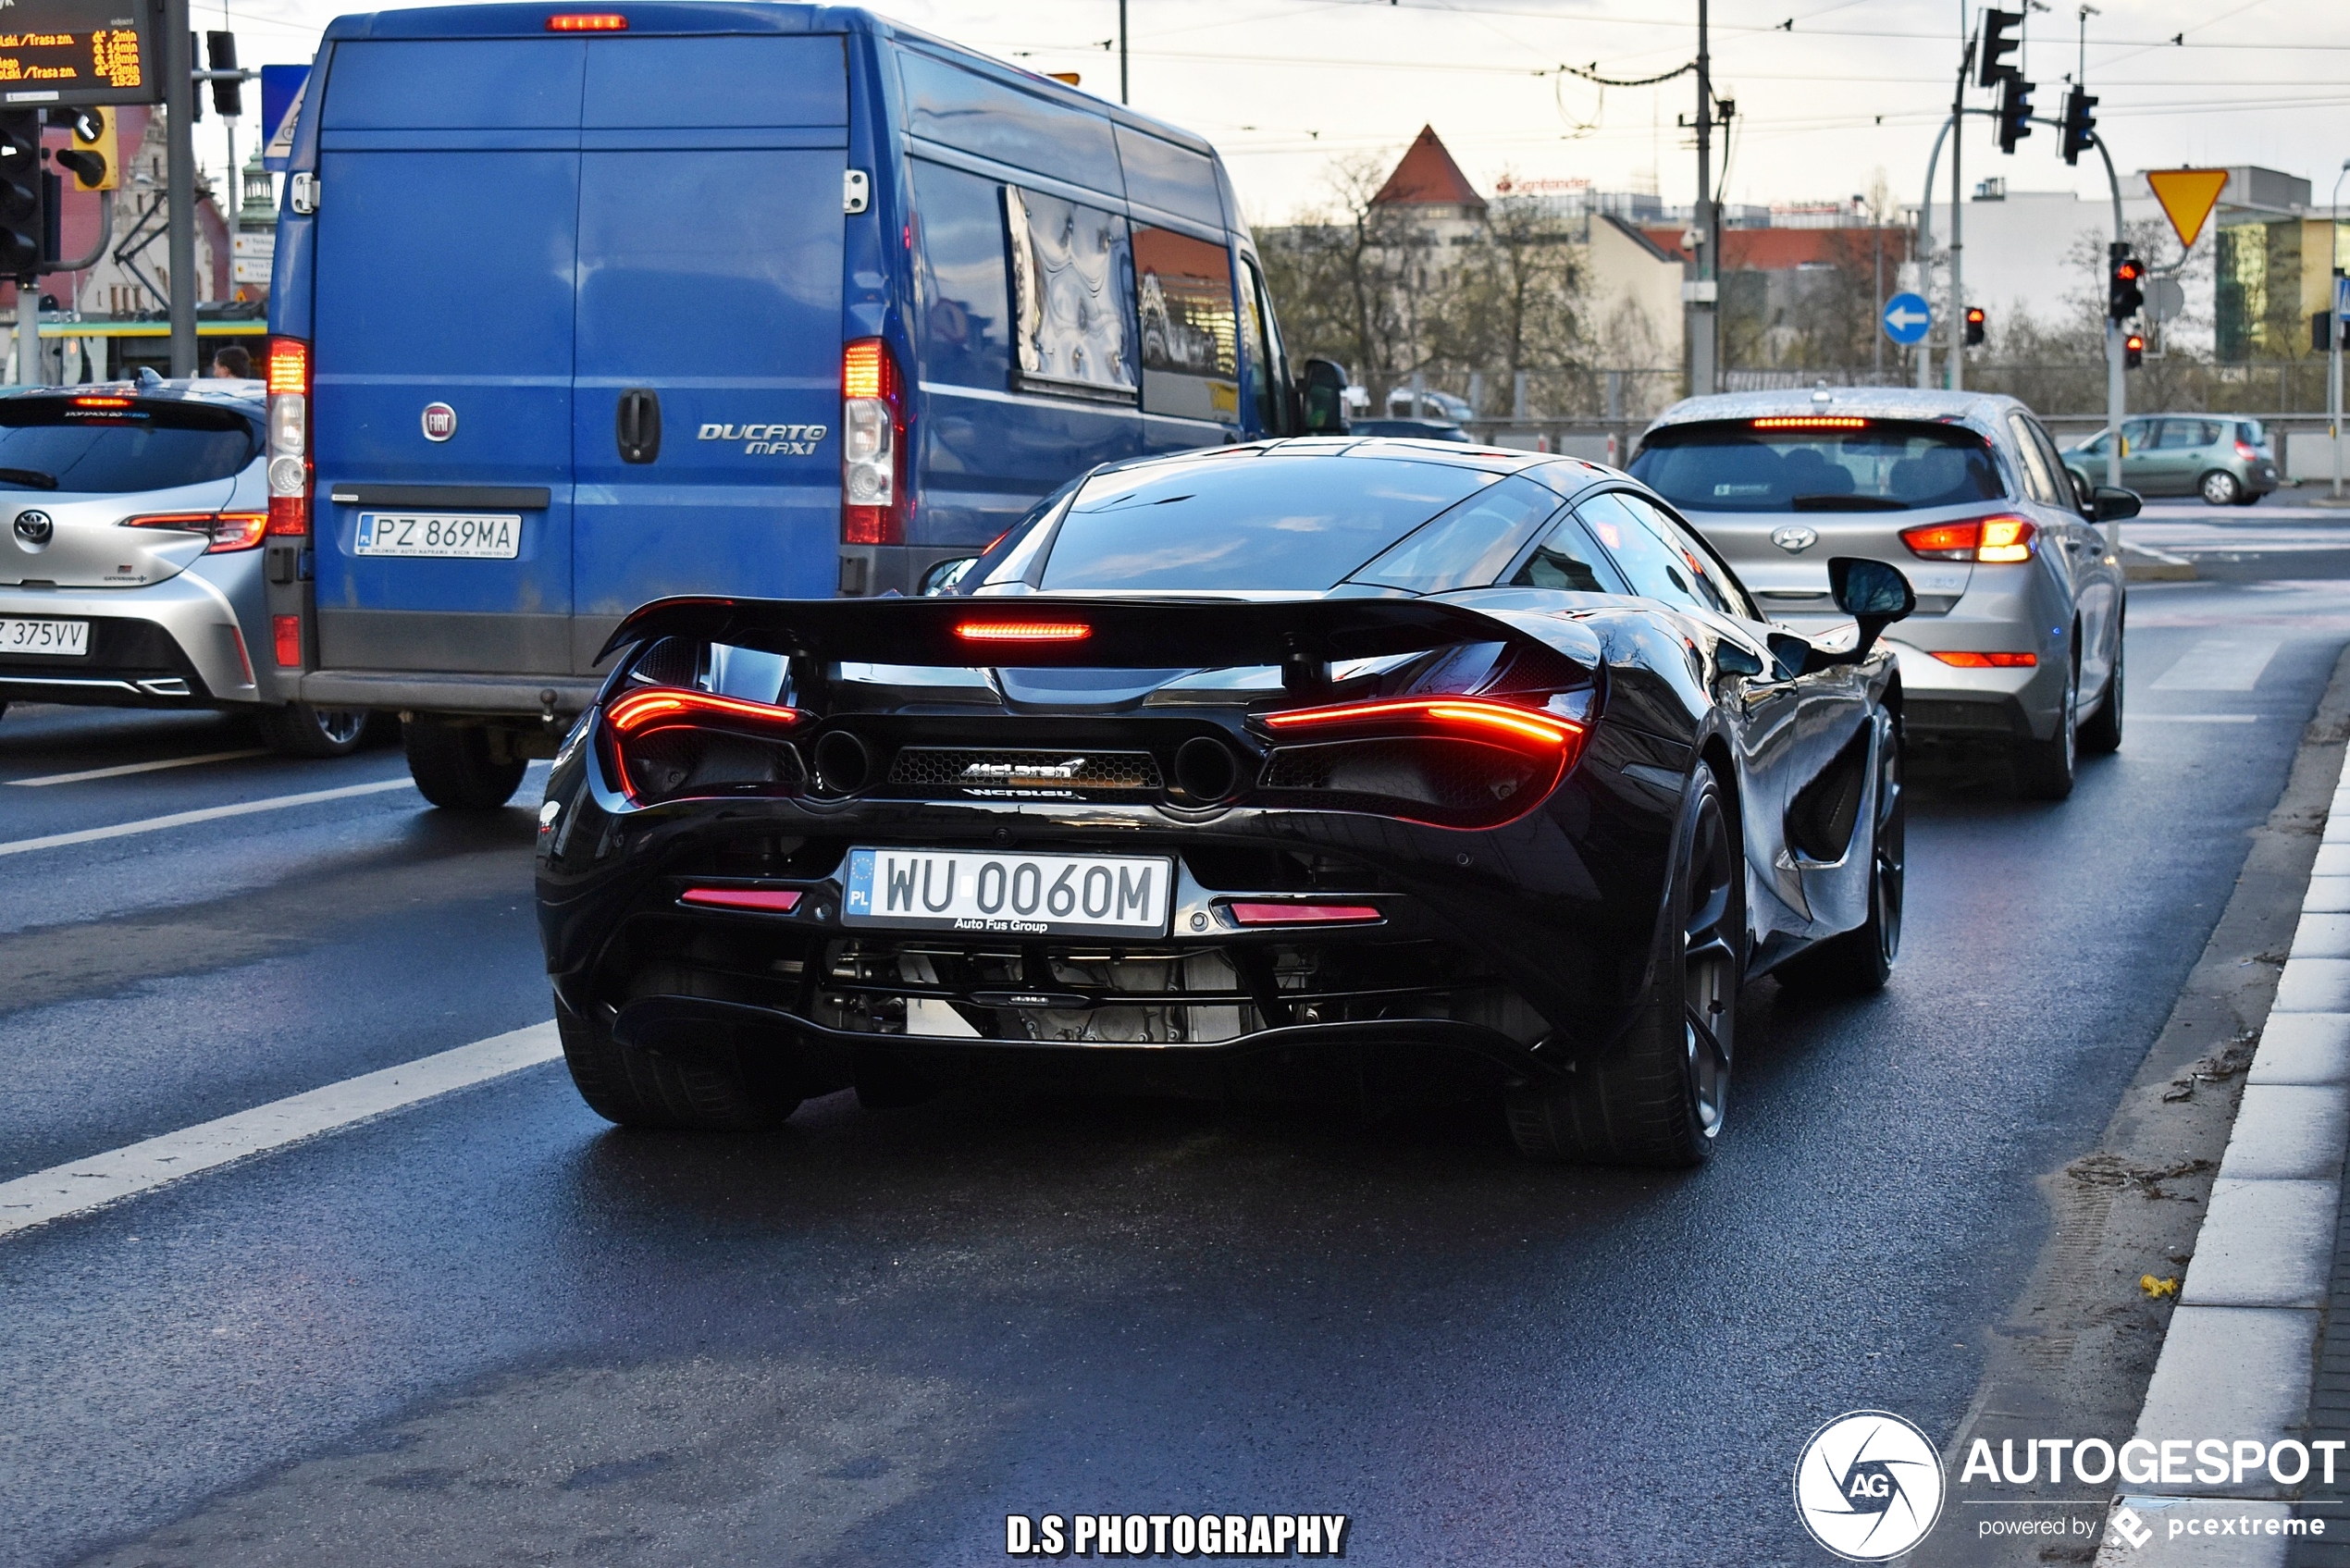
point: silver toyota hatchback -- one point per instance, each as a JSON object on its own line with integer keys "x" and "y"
{"x": 131, "y": 566}
{"x": 2017, "y": 641}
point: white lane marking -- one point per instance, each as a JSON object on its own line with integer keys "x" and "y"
{"x": 79, "y": 1186}
{"x": 2197, "y": 718}
{"x": 208, "y": 814}
{"x": 116, "y": 773}
{"x": 2221, "y": 664}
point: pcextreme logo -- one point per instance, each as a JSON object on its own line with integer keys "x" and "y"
{"x": 1868, "y": 1485}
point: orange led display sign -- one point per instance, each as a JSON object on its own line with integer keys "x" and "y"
{"x": 78, "y": 52}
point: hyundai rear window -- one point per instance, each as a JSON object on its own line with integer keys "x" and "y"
{"x": 1823, "y": 465}
{"x": 112, "y": 445}
{"x": 1258, "y": 523}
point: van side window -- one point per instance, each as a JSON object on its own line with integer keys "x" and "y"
{"x": 1260, "y": 342}
{"x": 972, "y": 113}
{"x": 1072, "y": 270}
{"x": 1183, "y": 294}
{"x": 966, "y": 326}
{"x": 1173, "y": 179}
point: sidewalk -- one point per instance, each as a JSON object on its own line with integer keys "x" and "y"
{"x": 2260, "y": 1346}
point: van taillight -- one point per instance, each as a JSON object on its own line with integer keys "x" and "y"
{"x": 288, "y": 470}
{"x": 874, "y": 502}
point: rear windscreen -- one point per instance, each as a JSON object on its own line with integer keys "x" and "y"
{"x": 1877, "y": 465}
{"x": 1251, "y": 523}
{"x": 111, "y": 444}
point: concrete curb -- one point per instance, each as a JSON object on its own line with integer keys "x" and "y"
{"x": 2144, "y": 563}
{"x": 2239, "y": 1360}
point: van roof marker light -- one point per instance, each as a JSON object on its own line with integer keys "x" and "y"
{"x": 1022, "y": 631}
{"x": 587, "y": 21}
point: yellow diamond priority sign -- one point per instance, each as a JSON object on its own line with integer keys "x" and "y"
{"x": 2187, "y": 196}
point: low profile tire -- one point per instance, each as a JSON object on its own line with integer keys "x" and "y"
{"x": 723, "y": 1088}
{"x": 1657, "y": 1096}
{"x": 2044, "y": 769}
{"x": 453, "y": 768}
{"x": 2101, "y": 731}
{"x": 2221, "y": 487}
{"x": 299, "y": 730}
{"x": 1860, "y": 960}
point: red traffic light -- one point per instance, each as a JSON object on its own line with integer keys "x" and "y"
{"x": 1973, "y": 326}
{"x": 2130, "y": 271}
{"x": 2133, "y": 348}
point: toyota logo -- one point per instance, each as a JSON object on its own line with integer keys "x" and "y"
{"x": 34, "y": 527}
{"x": 1795, "y": 540}
{"x": 440, "y": 422}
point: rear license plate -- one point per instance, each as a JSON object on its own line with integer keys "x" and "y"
{"x": 45, "y": 639}
{"x": 1020, "y": 895}
{"x": 439, "y": 534}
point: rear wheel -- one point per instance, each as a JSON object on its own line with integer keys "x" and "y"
{"x": 1860, "y": 960}
{"x": 2044, "y": 767}
{"x": 299, "y": 730}
{"x": 453, "y": 768}
{"x": 721, "y": 1087}
{"x": 2221, "y": 487}
{"x": 1657, "y": 1096}
{"x": 2101, "y": 731}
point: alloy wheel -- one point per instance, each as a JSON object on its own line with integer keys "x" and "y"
{"x": 1710, "y": 965}
{"x": 340, "y": 726}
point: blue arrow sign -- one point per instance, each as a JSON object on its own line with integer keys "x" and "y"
{"x": 1907, "y": 316}
{"x": 2341, "y": 298}
{"x": 281, "y": 87}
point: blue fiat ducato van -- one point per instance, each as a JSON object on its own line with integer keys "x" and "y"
{"x": 578, "y": 306}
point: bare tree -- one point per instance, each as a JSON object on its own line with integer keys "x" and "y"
{"x": 1513, "y": 299}
{"x": 1351, "y": 279}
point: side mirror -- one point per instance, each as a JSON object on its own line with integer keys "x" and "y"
{"x": 945, "y": 574}
{"x": 1872, "y": 593}
{"x": 1321, "y": 391}
{"x": 2113, "y": 503}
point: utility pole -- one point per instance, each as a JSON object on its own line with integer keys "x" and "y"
{"x": 179, "y": 180}
{"x": 2333, "y": 332}
{"x": 1957, "y": 346}
{"x": 1122, "y": 52}
{"x": 1703, "y": 315}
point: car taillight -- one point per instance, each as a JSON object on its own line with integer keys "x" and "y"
{"x": 874, "y": 502}
{"x": 1468, "y": 717}
{"x": 1455, "y": 761}
{"x": 2247, "y": 451}
{"x": 1989, "y": 660}
{"x": 1998, "y": 539}
{"x": 288, "y": 449}
{"x": 229, "y": 530}
{"x": 671, "y": 740}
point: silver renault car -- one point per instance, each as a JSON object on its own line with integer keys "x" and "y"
{"x": 131, "y": 570}
{"x": 2017, "y": 639}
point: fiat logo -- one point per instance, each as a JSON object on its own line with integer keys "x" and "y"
{"x": 1796, "y": 539}
{"x": 440, "y": 422}
{"x": 34, "y": 527}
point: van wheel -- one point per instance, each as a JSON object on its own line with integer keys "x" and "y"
{"x": 727, "y": 1088}
{"x": 299, "y": 730}
{"x": 453, "y": 768}
{"x": 2219, "y": 489}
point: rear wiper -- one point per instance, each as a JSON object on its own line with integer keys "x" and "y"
{"x": 1847, "y": 503}
{"x": 31, "y": 478}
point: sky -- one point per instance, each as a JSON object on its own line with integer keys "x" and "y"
{"x": 1852, "y": 90}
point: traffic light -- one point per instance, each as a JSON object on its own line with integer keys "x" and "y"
{"x": 1973, "y": 326}
{"x": 92, "y": 154}
{"x": 2015, "y": 111}
{"x": 2080, "y": 125}
{"x": 1999, "y": 40}
{"x": 21, "y": 224}
{"x": 2123, "y": 296}
{"x": 227, "y": 97}
{"x": 2134, "y": 351}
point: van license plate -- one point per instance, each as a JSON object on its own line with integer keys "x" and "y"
{"x": 439, "y": 534}
{"x": 998, "y": 893}
{"x": 45, "y": 639}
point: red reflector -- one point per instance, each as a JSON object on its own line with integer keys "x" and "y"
{"x": 1990, "y": 661}
{"x": 870, "y": 526}
{"x": 289, "y": 515}
{"x": 1811, "y": 422}
{"x": 1304, "y": 914}
{"x": 587, "y": 21}
{"x": 1023, "y": 631}
{"x": 782, "y": 900}
{"x": 287, "y": 631}
{"x": 663, "y": 707}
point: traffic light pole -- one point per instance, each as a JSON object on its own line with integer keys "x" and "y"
{"x": 2116, "y": 390}
{"x": 179, "y": 115}
{"x": 1957, "y": 346}
{"x": 1925, "y": 251}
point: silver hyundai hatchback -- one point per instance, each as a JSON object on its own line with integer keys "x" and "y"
{"x": 2017, "y": 639}
{"x": 133, "y": 535}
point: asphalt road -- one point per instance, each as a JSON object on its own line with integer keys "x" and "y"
{"x": 490, "y": 1328}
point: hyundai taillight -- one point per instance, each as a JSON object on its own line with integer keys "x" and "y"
{"x": 228, "y": 530}
{"x": 1456, "y": 761}
{"x": 288, "y": 379}
{"x": 874, "y": 502}
{"x": 1988, "y": 660}
{"x": 672, "y": 740}
{"x": 1998, "y": 539}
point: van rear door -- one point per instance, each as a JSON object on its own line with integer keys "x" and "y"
{"x": 710, "y": 230}
{"x": 449, "y": 173}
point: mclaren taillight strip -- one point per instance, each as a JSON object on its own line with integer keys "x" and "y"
{"x": 1811, "y": 422}
{"x": 1022, "y": 631}
{"x": 1267, "y": 914}
{"x": 1461, "y": 715}
{"x": 1990, "y": 661}
{"x": 666, "y": 707}
{"x": 776, "y": 900}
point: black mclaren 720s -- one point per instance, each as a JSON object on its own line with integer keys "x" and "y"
{"x": 1365, "y": 769}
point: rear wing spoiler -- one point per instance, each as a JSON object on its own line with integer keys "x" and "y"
{"x": 1302, "y": 637}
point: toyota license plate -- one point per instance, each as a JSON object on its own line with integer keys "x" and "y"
{"x": 1008, "y": 894}
{"x": 438, "y": 536}
{"x": 45, "y": 639}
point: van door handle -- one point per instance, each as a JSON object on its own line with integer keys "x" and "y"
{"x": 636, "y": 425}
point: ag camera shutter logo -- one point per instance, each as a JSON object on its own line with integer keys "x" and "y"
{"x": 1868, "y": 1485}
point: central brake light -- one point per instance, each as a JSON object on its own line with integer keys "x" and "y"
{"x": 1023, "y": 631}
{"x": 1473, "y": 717}
{"x": 2000, "y": 539}
{"x": 289, "y": 441}
{"x": 587, "y": 21}
{"x": 125, "y": 402}
{"x": 1268, "y": 914}
{"x": 873, "y": 500}
{"x": 1811, "y": 422}
{"x": 229, "y": 530}
{"x": 661, "y": 708}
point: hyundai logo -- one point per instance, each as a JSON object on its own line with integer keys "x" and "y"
{"x": 1795, "y": 540}
{"x": 34, "y": 527}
